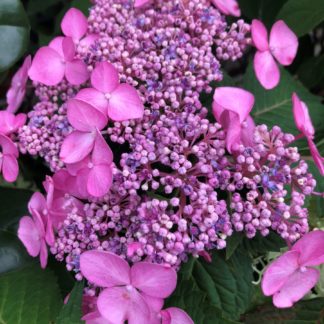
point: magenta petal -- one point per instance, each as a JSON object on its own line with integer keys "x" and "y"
{"x": 101, "y": 151}
{"x": 104, "y": 269}
{"x": 155, "y": 304}
{"x": 177, "y": 316}
{"x": 84, "y": 117}
{"x": 74, "y": 24}
{"x": 228, "y": 7}
{"x": 247, "y": 132}
{"x": 259, "y": 35}
{"x": 105, "y": 77}
{"x": 28, "y": 234}
{"x": 76, "y": 146}
{"x": 37, "y": 202}
{"x": 283, "y": 43}
{"x": 43, "y": 255}
{"x": 296, "y": 287}
{"x": 125, "y": 104}
{"x": 311, "y": 248}
{"x": 234, "y": 99}
{"x": 318, "y": 160}
{"x": 47, "y": 67}
{"x": 141, "y": 3}
{"x": 68, "y": 48}
{"x": 93, "y": 97}
{"x": 88, "y": 40}
{"x": 99, "y": 180}
{"x": 279, "y": 271}
{"x": 10, "y": 168}
{"x": 7, "y": 146}
{"x": 266, "y": 69}
{"x": 153, "y": 279}
{"x": 76, "y": 72}
{"x": 231, "y": 123}
{"x": 57, "y": 45}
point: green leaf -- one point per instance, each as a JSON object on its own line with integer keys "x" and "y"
{"x": 306, "y": 71}
{"x": 71, "y": 312}
{"x": 302, "y": 15}
{"x": 14, "y": 32}
{"x": 36, "y": 6}
{"x": 83, "y": 5}
{"x": 30, "y": 295}
{"x": 232, "y": 243}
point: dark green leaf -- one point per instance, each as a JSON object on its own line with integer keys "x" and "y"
{"x": 30, "y": 295}
{"x": 36, "y": 6}
{"x": 306, "y": 71}
{"x": 14, "y": 32}
{"x": 71, "y": 312}
{"x": 82, "y": 5}
{"x": 232, "y": 243}
{"x": 302, "y": 15}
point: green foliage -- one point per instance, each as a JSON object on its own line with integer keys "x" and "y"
{"x": 14, "y": 32}
{"x": 30, "y": 295}
{"x": 302, "y": 15}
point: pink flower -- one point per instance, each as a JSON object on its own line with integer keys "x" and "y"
{"x": 9, "y": 123}
{"x": 282, "y": 45}
{"x": 37, "y": 230}
{"x": 8, "y": 159}
{"x": 290, "y": 277}
{"x": 119, "y": 101}
{"x": 51, "y": 63}
{"x": 227, "y": 7}
{"x": 130, "y": 293}
{"x": 305, "y": 126}
{"x": 231, "y": 108}
{"x": 141, "y": 3}
{"x": 175, "y": 315}
{"x": 87, "y": 121}
{"x": 17, "y": 90}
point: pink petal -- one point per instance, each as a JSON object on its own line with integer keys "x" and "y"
{"x": 37, "y": 202}
{"x": 105, "y": 77}
{"x": 177, "y": 316}
{"x": 125, "y": 104}
{"x": 298, "y": 284}
{"x": 231, "y": 123}
{"x": 141, "y": 3}
{"x": 155, "y": 304}
{"x": 101, "y": 151}
{"x": 76, "y": 146}
{"x": 9, "y": 123}
{"x": 259, "y": 35}
{"x": 319, "y": 161}
{"x": 47, "y": 67}
{"x": 119, "y": 304}
{"x": 311, "y": 248}
{"x": 76, "y": 72}
{"x": 43, "y": 255}
{"x": 99, "y": 180}
{"x": 68, "y": 48}
{"x": 84, "y": 117}
{"x": 49, "y": 233}
{"x": 153, "y": 279}
{"x": 57, "y": 45}
{"x": 228, "y": 7}
{"x": 301, "y": 116}
{"x": 93, "y": 97}
{"x": 74, "y": 24}
{"x": 279, "y": 271}
{"x": 10, "y": 168}
{"x": 88, "y": 40}
{"x": 266, "y": 69}
{"x": 234, "y": 99}
{"x": 247, "y": 132}
{"x": 283, "y": 43}
{"x": 104, "y": 269}
{"x": 7, "y": 146}
{"x": 29, "y": 236}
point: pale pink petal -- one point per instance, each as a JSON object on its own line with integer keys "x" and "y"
{"x": 99, "y": 180}
{"x": 234, "y": 99}
{"x": 84, "y": 117}
{"x": 141, "y": 3}
{"x": 247, "y": 132}
{"x": 76, "y": 146}
{"x": 104, "y": 269}
{"x": 93, "y": 97}
{"x": 266, "y": 69}
{"x": 47, "y": 67}
{"x": 10, "y": 168}
{"x": 228, "y": 7}
{"x": 155, "y": 304}
{"x": 139, "y": 311}
{"x": 74, "y": 168}
{"x": 259, "y": 35}
{"x": 153, "y": 279}
{"x": 76, "y": 72}
{"x": 57, "y": 45}
{"x": 74, "y": 24}
{"x": 29, "y": 236}
{"x": 102, "y": 153}
{"x": 311, "y": 248}
{"x": 105, "y": 77}
{"x": 283, "y": 43}
{"x": 298, "y": 284}
{"x": 177, "y": 316}
{"x": 39, "y": 220}
{"x": 231, "y": 123}
{"x": 318, "y": 159}
{"x": 279, "y": 271}
{"x": 301, "y": 115}
{"x": 7, "y": 146}
{"x": 125, "y": 104}
{"x": 68, "y": 48}
{"x": 43, "y": 255}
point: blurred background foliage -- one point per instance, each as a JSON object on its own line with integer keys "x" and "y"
{"x": 220, "y": 292}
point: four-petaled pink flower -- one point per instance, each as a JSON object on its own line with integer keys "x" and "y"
{"x": 290, "y": 277}
{"x": 36, "y": 231}
{"x": 17, "y": 90}
{"x": 120, "y": 101}
{"x": 51, "y": 63}
{"x": 282, "y": 45}
{"x": 231, "y": 108}
{"x": 305, "y": 126}
{"x": 228, "y": 7}
{"x": 130, "y": 293}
